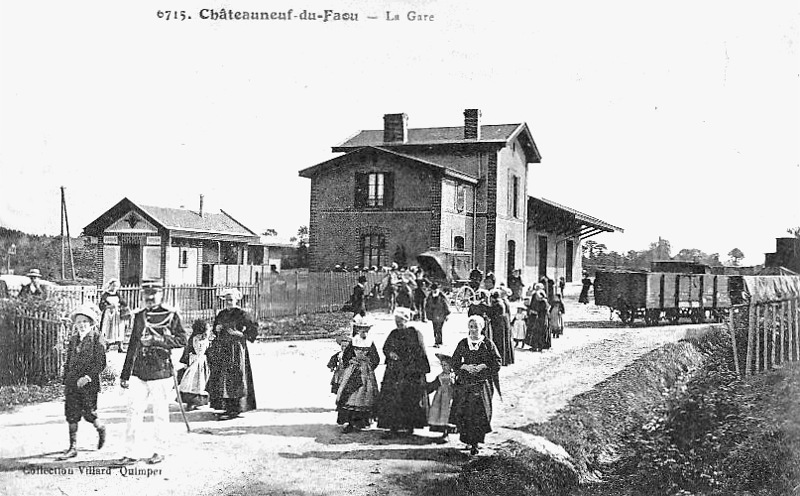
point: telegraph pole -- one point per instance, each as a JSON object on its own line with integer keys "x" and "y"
{"x": 65, "y": 223}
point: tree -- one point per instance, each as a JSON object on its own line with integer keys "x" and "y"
{"x": 302, "y": 246}
{"x": 661, "y": 250}
{"x": 588, "y": 248}
{"x": 691, "y": 255}
{"x": 736, "y": 256}
{"x": 794, "y": 231}
{"x": 269, "y": 232}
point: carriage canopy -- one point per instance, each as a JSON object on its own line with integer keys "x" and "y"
{"x": 442, "y": 266}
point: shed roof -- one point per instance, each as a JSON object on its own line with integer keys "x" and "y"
{"x": 174, "y": 219}
{"x": 549, "y": 216}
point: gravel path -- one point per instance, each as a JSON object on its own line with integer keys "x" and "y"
{"x": 291, "y": 444}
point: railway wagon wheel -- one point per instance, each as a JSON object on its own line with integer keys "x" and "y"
{"x": 627, "y": 315}
{"x": 673, "y": 316}
{"x": 463, "y": 297}
{"x": 651, "y": 317}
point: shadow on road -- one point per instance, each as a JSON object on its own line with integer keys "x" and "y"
{"x": 443, "y": 455}
{"x": 327, "y": 434}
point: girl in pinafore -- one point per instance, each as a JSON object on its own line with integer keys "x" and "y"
{"x": 195, "y": 375}
{"x": 358, "y": 389}
{"x": 439, "y": 413}
{"x": 557, "y": 316}
{"x": 336, "y": 363}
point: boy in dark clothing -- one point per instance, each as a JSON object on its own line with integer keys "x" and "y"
{"x": 438, "y": 310}
{"x": 86, "y": 359}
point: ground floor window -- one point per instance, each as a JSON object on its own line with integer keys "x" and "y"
{"x": 372, "y": 247}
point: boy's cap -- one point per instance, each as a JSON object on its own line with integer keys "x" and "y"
{"x": 89, "y": 310}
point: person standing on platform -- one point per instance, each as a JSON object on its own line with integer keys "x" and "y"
{"x": 586, "y": 284}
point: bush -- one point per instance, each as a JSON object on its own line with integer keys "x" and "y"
{"x": 719, "y": 435}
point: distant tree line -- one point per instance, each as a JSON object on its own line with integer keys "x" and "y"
{"x": 596, "y": 255}
{"x": 44, "y": 253}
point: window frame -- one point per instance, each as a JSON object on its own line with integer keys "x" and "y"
{"x": 463, "y": 243}
{"x": 373, "y": 246}
{"x": 183, "y": 257}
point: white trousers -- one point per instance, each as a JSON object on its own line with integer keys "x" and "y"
{"x": 140, "y": 395}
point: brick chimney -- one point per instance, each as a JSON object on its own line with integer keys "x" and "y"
{"x": 395, "y": 128}
{"x": 472, "y": 124}
{"x": 201, "y": 205}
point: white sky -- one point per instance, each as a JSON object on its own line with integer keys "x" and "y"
{"x": 677, "y": 119}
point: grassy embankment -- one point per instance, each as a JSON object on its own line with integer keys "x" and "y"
{"x": 675, "y": 422}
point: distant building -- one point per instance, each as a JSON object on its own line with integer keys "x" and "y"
{"x": 177, "y": 245}
{"x": 787, "y": 254}
{"x": 398, "y": 192}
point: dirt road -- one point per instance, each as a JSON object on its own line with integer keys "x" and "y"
{"x": 291, "y": 444}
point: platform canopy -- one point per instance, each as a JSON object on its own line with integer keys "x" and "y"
{"x": 549, "y": 216}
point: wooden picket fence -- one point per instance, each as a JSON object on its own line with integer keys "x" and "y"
{"x": 33, "y": 346}
{"x": 291, "y": 292}
{"x": 765, "y": 334}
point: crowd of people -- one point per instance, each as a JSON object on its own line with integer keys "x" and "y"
{"x": 218, "y": 371}
{"x": 500, "y": 321}
{"x": 463, "y": 390}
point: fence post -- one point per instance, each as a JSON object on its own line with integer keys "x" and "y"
{"x": 782, "y": 350}
{"x": 751, "y": 323}
{"x": 796, "y": 319}
{"x": 772, "y": 341}
{"x": 296, "y": 293}
{"x": 732, "y": 328}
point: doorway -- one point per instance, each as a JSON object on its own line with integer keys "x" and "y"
{"x": 541, "y": 243}
{"x": 130, "y": 266}
{"x": 570, "y": 260}
{"x": 510, "y": 259}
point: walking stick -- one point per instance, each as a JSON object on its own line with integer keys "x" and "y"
{"x": 178, "y": 392}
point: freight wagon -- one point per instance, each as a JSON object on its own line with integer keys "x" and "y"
{"x": 667, "y": 296}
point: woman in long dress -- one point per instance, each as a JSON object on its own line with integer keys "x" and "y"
{"x": 403, "y": 403}
{"x": 476, "y": 362}
{"x": 195, "y": 376}
{"x": 230, "y": 384}
{"x": 538, "y": 337}
{"x": 115, "y": 315}
{"x": 501, "y": 329}
{"x": 358, "y": 388}
{"x": 586, "y": 284}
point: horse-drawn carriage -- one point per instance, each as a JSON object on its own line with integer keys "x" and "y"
{"x": 450, "y": 271}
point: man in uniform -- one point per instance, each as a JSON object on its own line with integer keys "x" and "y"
{"x": 147, "y": 372}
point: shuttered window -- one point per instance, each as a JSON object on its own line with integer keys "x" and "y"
{"x": 374, "y": 190}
